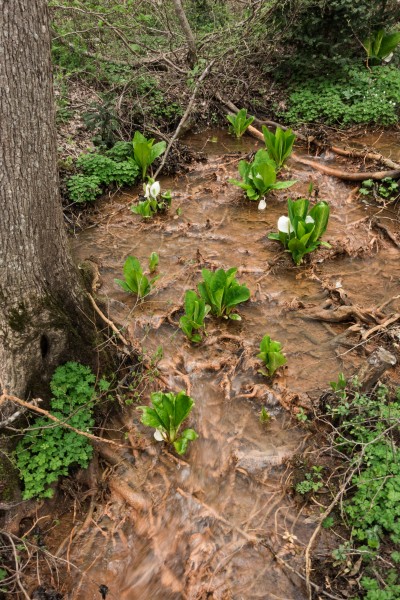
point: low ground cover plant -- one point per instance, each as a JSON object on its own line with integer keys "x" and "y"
{"x": 386, "y": 190}
{"x": 357, "y": 95}
{"x": 222, "y": 292}
{"x": 259, "y": 178}
{"x": 362, "y": 439}
{"x": 47, "y": 451}
{"x": 301, "y": 231}
{"x": 100, "y": 170}
{"x": 166, "y": 415}
{"x": 239, "y": 122}
{"x": 271, "y": 355}
{"x": 196, "y": 311}
{"x": 135, "y": 281}
{"x": 279, "y": 145}
{"x": 154, "y": 201}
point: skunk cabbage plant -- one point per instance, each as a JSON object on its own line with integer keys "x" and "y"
{"x": 222, "y": 292}
{"x": 145, "y": 151}
{"x": 271, "y": 355}
{"x": 301, "y": 231}
{"x": 195, "y": 312}
{"x": 166, "y": 416}
{"x": 259, "y": 178}
{"x": 239, "y": 122}
{"x": 279, "y": 145}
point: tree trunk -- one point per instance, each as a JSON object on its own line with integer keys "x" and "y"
{"x": 180, "y": 13}
{"x": 42, "y": 319}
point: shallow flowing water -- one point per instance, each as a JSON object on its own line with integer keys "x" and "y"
{"x": 212, "y": 522}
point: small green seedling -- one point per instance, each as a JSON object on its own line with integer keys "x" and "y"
{"x": 265, "y": 416}
{"x": 259, "y": 178}
{"x": 145, "y": 151}
{"x": 135, "y": 281}
{"x": 271, "y": 355}
{"x": 195, "y": 312}
{"x": 153, "y": 261}
{"x": 222, "y": 292}
{"x": 301, "y": 230}
{"x": 167, "y": 415}
{"x": 312, "y": 482}
{"x": 239, "y": 122}
{"x": 279, "y": 145}
{"x": 154, "y": 201}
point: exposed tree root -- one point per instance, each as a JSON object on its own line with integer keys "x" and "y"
{"x": 346, "y": 175}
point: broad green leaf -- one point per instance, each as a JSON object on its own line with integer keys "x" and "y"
{"x": 157, "y": 150}
{"x": 183, "y": 404}
{"x": 237, "y": 294}
{"x": 282, "y": 185}
{"x": 320, "y": 214}
{"x": 150, "y": 417}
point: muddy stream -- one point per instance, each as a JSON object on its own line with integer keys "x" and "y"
{"x": 208, "y": 525}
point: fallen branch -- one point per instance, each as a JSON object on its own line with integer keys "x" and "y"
{"x": 185, "y": 116}
{"x": 381, "y": 326}
{"x": 346, "y": 175}
{"x": 59, "y": 422}
{"x": 353, "y": 152}
{"x": 108, "y": 322}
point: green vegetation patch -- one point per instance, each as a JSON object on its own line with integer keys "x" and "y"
{"x": 359, "y": 95}
{"x": 48, "y": 450}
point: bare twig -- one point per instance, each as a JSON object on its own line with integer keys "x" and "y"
{"x": 4, "y": 396}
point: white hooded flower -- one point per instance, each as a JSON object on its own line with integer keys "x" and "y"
{"x": 158, "y": 435}
{"x": 155, "y": 189}
{"x": 262, "y": 205}
{"x": 284, "y": 225}
{"x": 147, "y": 190}
{"x": 309, "y": 219}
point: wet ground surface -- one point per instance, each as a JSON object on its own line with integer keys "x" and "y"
{"x": 213, "y": 522}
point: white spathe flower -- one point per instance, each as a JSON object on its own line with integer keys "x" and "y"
{"x": 284, "y": 225}
{"x": 158, "y": 435}
{"x": 309, "y": 219}
{"x": 262, "y": 205}
{"x": 155, "y": 189}
{"x": 147, "y": 190}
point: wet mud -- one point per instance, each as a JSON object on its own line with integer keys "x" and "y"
{"x": 221, "y": 522}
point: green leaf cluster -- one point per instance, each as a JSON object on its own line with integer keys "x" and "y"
{"x": 167, "y": 414}
{"x": 135, "y": 281}
{"x": 239, "y": 122}
{"x": 356, "y": 96}
{"x": 279, "y": 145}
{"x": 259, "y": 176}
{"x": 380, "y": 44}
{"x": 222, "y": 292}
{"x": 370, "y": 424}
{"x": 195, "y": 312}
{"x": 150, "y": 206}
{"x": 145, "y": 151}
{"x": 98, "y": 171}
{"x": 386, "y": 189}
{"x": 271, "y": 355}
{"x": 47, "y": 450}
{"x": 304, "y": 228}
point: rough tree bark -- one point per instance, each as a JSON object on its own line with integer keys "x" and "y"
{"x": 180, "y": 13}
{"x": 42, "y": 310}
